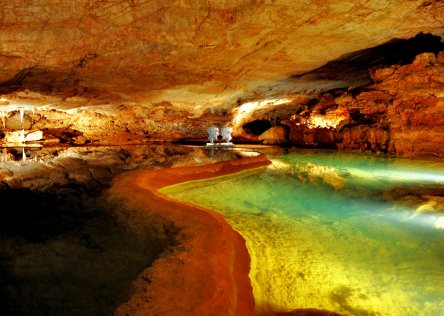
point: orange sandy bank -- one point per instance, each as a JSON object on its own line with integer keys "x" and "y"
{"x": 206, "y": 272}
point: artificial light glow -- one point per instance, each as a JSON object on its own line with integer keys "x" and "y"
{"x": 312, "y": 172}
{"x": 399, "y": 175}
{"x": 323, "y": 121}
{"x": 330, "y": 120}
{"x": 426, "y": 219}
{"x": 248, "y": 154}
{"x": 279, "y": 164}
{"x": 246, "y": 109}
{"x": 22, "y": 136}
{"x": 440, "y": 223}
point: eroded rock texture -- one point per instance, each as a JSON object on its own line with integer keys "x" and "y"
{"x": 129, "y": 71}
{"x": 401, "y": 112}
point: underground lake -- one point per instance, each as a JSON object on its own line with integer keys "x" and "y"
{"x": 354, "y": 233}
{"x": 351, "y": 233}
{"x": 68, "y": 246}
{"x": 221, "y": 158}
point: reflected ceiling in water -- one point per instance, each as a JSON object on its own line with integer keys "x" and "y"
{"x": 39, "y": 167}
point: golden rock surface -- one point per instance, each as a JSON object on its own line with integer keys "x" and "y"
{"x": 115, "y": 72}
{"x": 190, "y": 53}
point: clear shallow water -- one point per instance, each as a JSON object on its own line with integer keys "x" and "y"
{"x": 352, "y": 233}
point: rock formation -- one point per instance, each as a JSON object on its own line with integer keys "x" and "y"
{"x": 107, "y": 72}
{"x": 349, "y": 75}
{"x": 68, "y": 247}
{"x": 400, "y": 112}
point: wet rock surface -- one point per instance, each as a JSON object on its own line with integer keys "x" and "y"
{"x": 67, "y": 247}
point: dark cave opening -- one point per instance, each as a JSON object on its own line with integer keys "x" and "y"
{"x": 354, "y": 68}
{"x": 257, "y": 127}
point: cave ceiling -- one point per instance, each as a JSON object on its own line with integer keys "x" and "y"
{"x": 191, "y": 53}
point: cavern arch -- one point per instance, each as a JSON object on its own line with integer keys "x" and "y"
{"x": 76, "y": 76}
{"x": 121, "y": 71}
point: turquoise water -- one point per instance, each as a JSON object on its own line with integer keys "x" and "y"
{"x": 358, "y": 234}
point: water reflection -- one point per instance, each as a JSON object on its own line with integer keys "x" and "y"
{"x": 66, "y": 246}
{"x": 19, "y": 154}
{"x": 137, "y": 152}
{"x": 36, "y": 167}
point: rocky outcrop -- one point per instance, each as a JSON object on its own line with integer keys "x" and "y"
{"x": 400, "y": 112}
{"x": 274, "y": 135}
{"x": 117, "y": 72}
{"x": 67, "y": 246}
{"x": 192, "y": 53}
{"x": 122, "y": 124}
{"x": 207, "y": 272}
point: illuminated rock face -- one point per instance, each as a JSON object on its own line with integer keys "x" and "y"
{"x": 121, "y": 71}
{"x": 192, "y": 50}
{"x": 273, "y": 135}
{"x": 401, "y": 112}
{"x": 20, "y": 137}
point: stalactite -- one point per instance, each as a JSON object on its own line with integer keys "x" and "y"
{"x": 22, "y": 113}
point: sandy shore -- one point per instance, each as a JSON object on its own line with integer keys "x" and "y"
{"x": 206, "y": 272}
